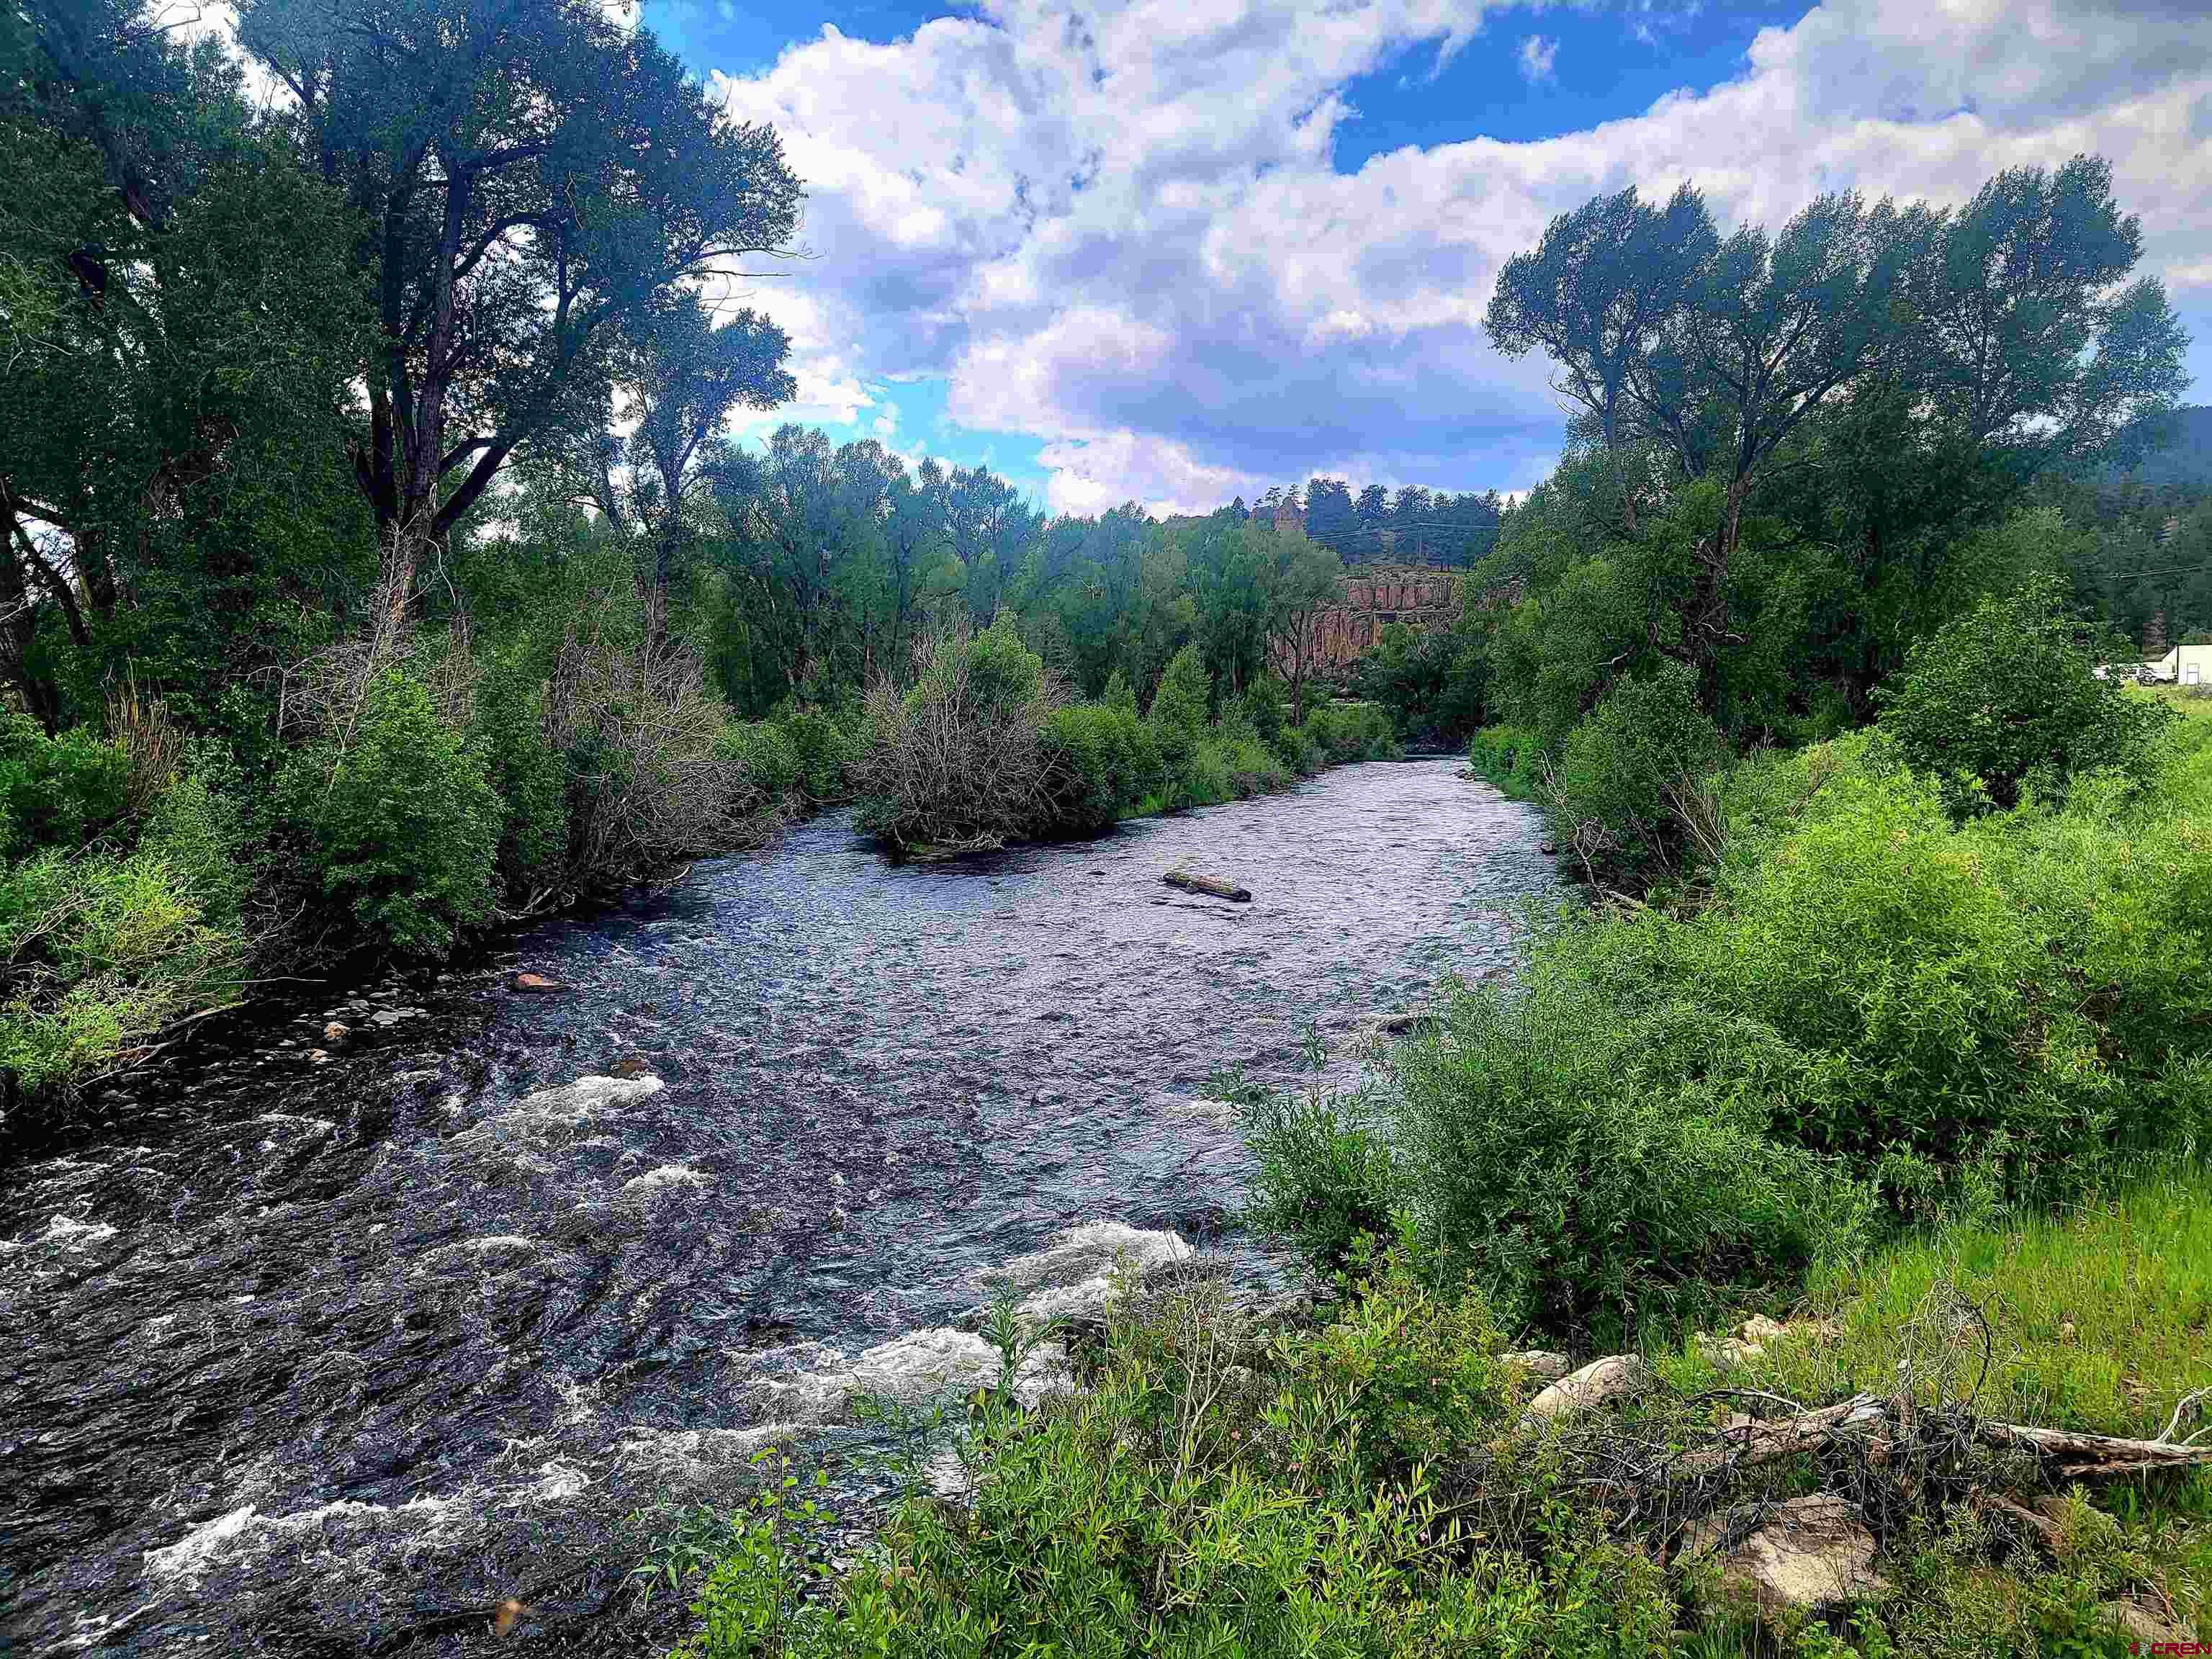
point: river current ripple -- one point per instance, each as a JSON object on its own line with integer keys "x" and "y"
{"x": 328, "y": 1359}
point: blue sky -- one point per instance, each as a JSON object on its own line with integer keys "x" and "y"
{"x": 1173, "y": 250}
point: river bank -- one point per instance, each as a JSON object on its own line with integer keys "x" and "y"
{"x": 332, "y": 1353}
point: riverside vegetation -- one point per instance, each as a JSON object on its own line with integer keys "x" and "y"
{"x": 1882, "y": 1007}
{"x": 340, "y": 617}
{"x": 340, "y": 621}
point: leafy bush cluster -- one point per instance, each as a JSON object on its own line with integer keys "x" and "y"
{"x": 104, "y": 942}
{"x": 1998, "y": 701}
{"x": 982, "y": 748}
{"x": 1510, "y": 757}
{"x": 1876, "y": 1009}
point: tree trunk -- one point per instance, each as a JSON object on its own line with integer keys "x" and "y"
{"x": 1706, "y": 625}
{"x": 19, "y": 619}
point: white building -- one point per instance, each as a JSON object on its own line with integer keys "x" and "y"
{"x": 2184, "y": 664}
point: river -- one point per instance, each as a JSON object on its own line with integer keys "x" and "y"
{"x": 328, "y": 1358}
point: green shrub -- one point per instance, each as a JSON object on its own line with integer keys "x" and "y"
{"x": 764, "y": 764}
{"x": 2030, "y": 986}
{"x": 1346, "y": 732}
{"x": 1182, "y": 707}
{"x": 1260, "y": 707}
{"x": 1324, "y": 1179}
{"x": 402, "y": 829}
{"x": 2004, "y": 696}
{"x": 530, "y": 781}
{"x": 59, "y": 791}
{"x": 1100, "y": 764}
{"x": 103, "y": 948}
{"x": 1626, "y": 771}
{"x": 1510, "y": 757}
{"x": 1429, "y": 684}
{"x": 1204, "y": 778}
{"x": 1590, "y": 1149}
{"x": 1252, "y": 768}
{"x": 824, "y": 752}
{"x": 1299, "y": 751}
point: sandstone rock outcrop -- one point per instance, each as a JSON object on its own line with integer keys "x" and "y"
{"x": 1418, "y": 596}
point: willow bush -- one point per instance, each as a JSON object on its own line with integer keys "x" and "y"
{"x": 958, "y": 759}
{"x": 1874, "y": 1012}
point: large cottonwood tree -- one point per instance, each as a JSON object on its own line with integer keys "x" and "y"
{"x": 531, "y": 176}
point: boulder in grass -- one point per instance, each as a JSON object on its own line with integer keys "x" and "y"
{"x": 1595, "y": 1384}
{"x": 1540, "y": 1363}
{"x": 1808, "y": 1553}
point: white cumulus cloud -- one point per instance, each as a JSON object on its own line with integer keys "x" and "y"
{"x": 1119, "y": 227}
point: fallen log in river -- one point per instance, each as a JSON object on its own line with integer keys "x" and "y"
{"x": 1208, "y": 884}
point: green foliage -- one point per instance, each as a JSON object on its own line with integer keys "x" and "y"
{"x": 1625, "y": 770}
{"x": 1345, "y": 732}
{"x": 103, "y": 948}
{"x": 1252, "y": 767}
{"x": 763, "y": 762}
{"x": 1101, "y": 764}
{"x": 1182, "y": 705}
{"x": 59, "y": 791}
{"x": 1432, "y": 684}
{"x": 1324, "y": 1180}
{"x": 1510, "y": 757}
{"x": 823, "y": 749}
{"x": 2003, "y": 697}
{"x": 530, "y": 781}
{"x": 1592, "y": 1154}
{"x": 760, "y": 1561}
{"x": 402, "y": 827}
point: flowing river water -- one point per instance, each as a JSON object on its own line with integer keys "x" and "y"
{"x": 303, "y": 1358}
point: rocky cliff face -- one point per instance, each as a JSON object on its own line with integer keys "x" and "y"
{"x": 1416, "y": 596}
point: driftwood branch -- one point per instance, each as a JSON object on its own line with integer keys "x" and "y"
{"x": 1191, "y": 882}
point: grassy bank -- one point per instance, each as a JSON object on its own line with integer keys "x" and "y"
{"x": 1368, "y": 1484}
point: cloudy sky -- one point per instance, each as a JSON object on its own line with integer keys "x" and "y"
{"x": 1175, "y": 250}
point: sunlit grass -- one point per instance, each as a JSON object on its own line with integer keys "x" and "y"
{"x": 2100, "y": 1315}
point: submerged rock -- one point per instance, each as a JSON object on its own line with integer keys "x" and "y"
{"x": 335, "y": 1033}
{"x": 540, "y": 984}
